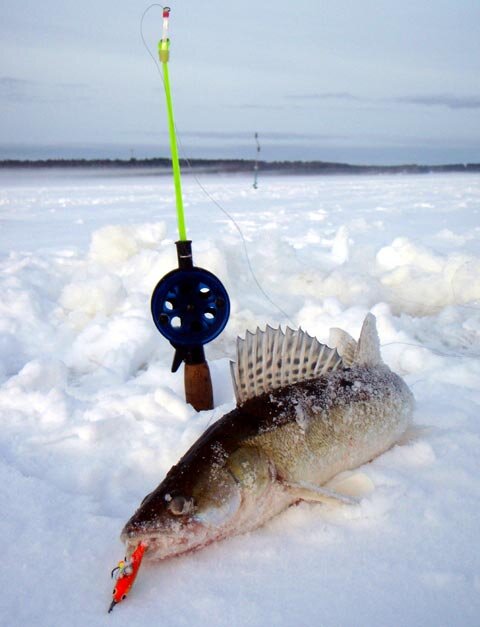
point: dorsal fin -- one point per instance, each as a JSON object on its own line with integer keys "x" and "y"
{"x": 345, "y": 345}
{"x": 367, "y": 352}
{"x": 270, "y": 359}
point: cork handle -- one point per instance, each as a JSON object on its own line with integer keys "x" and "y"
{"x": 198, "y": 386}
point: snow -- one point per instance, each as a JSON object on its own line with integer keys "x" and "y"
{"x": 92, "y": 417}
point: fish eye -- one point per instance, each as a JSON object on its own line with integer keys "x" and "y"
{"x": 180, "y": 505}
{"x": 124, "y": 596}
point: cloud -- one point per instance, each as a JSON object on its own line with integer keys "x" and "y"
{"x": 429, "y": 100}
{"x": 266, "y": 107}
{"x": 272, "y": 135}
{"x": 10, "y": 82}
{"x": 15, "y": 89}
{"x": 340, "y": 95}
{"x": 19, "y": 90}
{"x": 442, "y": 100}
{"x": 244, "y": 136}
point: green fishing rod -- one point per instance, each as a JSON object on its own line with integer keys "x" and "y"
{"x": 190, "y": 306}
{"x": 164, "y": 56}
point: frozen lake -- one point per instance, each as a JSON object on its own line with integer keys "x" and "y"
{"x": 92, "y": 418}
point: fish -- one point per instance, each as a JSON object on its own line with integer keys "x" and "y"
{"x": 307, "y": 415}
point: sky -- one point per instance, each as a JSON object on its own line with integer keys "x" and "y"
{"x": 376, "y": 81}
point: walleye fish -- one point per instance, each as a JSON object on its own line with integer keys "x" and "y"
{"x": 305, "y": 413}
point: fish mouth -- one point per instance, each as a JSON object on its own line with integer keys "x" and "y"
{"x": 161, "y": 544}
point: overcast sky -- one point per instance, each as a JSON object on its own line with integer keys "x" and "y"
{"x": 370, "y": 81}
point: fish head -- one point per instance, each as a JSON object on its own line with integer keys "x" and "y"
{"x": 188, "y": 510}
{"x": 197, "y": 504}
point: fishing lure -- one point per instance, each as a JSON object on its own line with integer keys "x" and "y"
{"x": 125, "y": 574}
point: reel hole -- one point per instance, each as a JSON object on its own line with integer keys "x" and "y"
{"x": 168, "y": 305}
{"x": 176, "y": 322}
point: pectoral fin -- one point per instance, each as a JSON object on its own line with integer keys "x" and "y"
{"x": 309, "y": 492}
{"x": 415, "y": 432}
{"x": 356, "y": 484}
{"x": 347, "y": 488}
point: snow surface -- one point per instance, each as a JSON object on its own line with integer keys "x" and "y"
{"x": 92, "y": 418}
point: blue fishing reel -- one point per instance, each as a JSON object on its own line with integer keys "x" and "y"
{"x": 190, "y": 307}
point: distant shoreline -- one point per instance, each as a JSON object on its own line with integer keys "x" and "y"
{"x": 240, "y": 165}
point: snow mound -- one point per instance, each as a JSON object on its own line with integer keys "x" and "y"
{"x": 421, "y": 282}
{"x": 112, "y": 244}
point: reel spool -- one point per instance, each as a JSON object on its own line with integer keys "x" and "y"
{"x": 190, "y": 307}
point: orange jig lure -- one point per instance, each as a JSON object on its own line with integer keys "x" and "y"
{"x": 125, "y": 574}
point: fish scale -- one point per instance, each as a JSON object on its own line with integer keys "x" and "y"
{"x": 354, "y": 423}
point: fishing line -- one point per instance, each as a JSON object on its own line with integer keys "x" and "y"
{"x": 244, "y": 241}
{"x": 204, "y": 190}
{"x": 433, "y": 350}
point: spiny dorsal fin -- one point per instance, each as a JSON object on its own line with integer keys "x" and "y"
{"x": 367, "y": 352}
{"x": 270, "y": 359}
{"x": 345, "y": 345}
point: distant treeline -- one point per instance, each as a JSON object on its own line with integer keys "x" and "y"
{"x": 242, "y": 165}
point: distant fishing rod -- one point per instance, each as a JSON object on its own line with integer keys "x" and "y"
{"x": 190, "y": 306}
{"x": 255, "y": 167}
